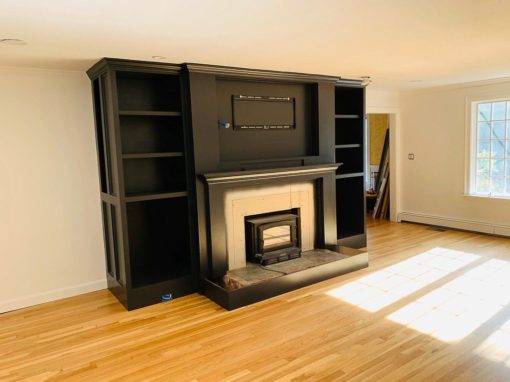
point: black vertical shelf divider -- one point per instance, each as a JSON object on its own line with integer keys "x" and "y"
{"x": 349, "y": 153}
{"x": 147, "y": 179}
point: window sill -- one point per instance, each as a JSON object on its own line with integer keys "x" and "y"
{"x": 486, "y": 196}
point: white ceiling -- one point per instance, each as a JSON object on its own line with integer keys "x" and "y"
{"x": 393, "y": 41}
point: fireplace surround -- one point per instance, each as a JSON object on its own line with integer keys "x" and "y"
{"x": 219, "y": 184}
{"x": 243, "y": 202}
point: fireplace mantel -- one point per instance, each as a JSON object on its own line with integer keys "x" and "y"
{"x": 275, "y": 173}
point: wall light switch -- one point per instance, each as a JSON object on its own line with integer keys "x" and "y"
{"x": 410, "y": 156}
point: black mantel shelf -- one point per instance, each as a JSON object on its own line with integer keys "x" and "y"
{"x": 239, "y": 176}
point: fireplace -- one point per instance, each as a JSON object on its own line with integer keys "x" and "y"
{"x": 274, "y": 237}
{"x": 259, "y": 219}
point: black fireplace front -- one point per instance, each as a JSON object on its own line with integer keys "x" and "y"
{"x": 272, "y": 238}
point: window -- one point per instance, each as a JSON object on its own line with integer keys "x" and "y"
{"x": 490, "y": 148}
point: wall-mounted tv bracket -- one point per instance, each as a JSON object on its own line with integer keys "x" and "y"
{"x": 241, "y": 97}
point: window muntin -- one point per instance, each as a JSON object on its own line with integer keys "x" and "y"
{"x": 492, "y": 148}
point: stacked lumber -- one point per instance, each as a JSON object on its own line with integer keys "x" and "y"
{"x": 382, "y": 204}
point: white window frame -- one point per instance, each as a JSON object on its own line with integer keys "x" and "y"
{"x": 471, "y": 141}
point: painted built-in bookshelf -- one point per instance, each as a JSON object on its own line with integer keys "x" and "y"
{"x": 144, "y": 179}
{"x": 349, "y": 153}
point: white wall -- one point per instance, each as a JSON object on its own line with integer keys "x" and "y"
{"x": 433, "y": 128}
{"x": 382, "y": 101}
{"x": 51, "y": 243}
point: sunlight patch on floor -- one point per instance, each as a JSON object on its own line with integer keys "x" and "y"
{"x": 456, "y": 309}
{"x": 497, "y": 346}
{"x": 384, "y": 287}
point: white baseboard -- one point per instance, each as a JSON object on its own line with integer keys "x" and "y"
{"x": 463, "y": 224}
{"x": 52, "y": 295}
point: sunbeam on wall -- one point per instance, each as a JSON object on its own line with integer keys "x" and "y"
{"x": 383, "y": 288}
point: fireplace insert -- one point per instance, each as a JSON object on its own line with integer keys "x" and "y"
{"x": 272, "y": 238}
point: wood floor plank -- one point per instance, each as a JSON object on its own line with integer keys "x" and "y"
{"x": 310, "y": 334}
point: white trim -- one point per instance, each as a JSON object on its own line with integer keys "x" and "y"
{"x": 24, "y": 69}
{"x": 395, "y": 165}
{"x": 366, "y": 150}
{"x": 470, "y": 147}
{"x": 457, "y": 223}
{"x": 56, "y": 294}
{"x": 486, "y": 196}
{"x": 461, "y": 85}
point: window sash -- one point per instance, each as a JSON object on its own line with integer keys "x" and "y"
{"x": 490, "y": 154}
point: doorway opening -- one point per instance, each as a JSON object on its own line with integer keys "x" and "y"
{"x": 377, "y": 161}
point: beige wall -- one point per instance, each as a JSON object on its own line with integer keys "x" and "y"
{"x": 50, "y": 234}
{"x": 382, "y": 101}
{"x": 434, "y": 129}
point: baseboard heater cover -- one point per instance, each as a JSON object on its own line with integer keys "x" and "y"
{"x": 455, "y": 223}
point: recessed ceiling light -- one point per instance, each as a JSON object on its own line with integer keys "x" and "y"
{"x": 12, "y": 41}
{"x": 159, "y": 57}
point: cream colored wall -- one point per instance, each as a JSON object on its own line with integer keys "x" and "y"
{"x": 433, "y": 128}
{"x": 382, "y": 101}
{"x": 50, "y": 234}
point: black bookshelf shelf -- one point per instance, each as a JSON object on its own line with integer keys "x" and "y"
{"x": 150, "y": 113}
{"x": 347, "y": 116}
{"x": 350, "y": 175}
{"x": 347, "y": 234}
{"x": 148, "y": 196}
{"x": 174, "y": 154}
{"x": 348, "y": 146}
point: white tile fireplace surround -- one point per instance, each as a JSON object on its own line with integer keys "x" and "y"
{"x": 242, "y": 202}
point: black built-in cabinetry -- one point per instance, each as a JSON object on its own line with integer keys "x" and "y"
{"x": 145, "y": 170}
{"x": 158, "y": 131}
{"x": 349, "y": 152}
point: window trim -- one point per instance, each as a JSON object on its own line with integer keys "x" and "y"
{"x": 471, "y": 141}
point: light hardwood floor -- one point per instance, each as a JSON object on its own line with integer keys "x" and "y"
{"x": 432, "y": 306}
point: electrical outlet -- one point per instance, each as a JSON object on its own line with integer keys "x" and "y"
{"x": 410, "y": 156}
